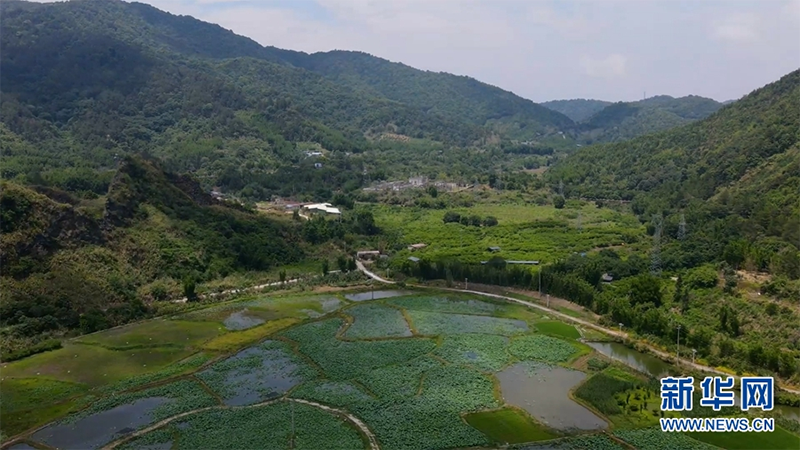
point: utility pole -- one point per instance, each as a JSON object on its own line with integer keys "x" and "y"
{"x": 466, "y": 286}
{"x": 540, "y": 282}
{"x": 694, "y": 352}
{"x": 682, "y": 228}
{"x": 678, "y": 351}
{"x": 548, "y": 300}
{"x": 561, "y": 187}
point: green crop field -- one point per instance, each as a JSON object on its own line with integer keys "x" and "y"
{"x": 779, "y": 439}
{"x": 524, "y": 232}
{"x": 508, "y": 425}
{"x": 558, "y": 329}
{"x": 433, "y": 385}
{"x": 154, "y": 333}
{"x": 94, "y": 365}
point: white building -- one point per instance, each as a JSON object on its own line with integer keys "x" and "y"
{"x": 325, "y": 208}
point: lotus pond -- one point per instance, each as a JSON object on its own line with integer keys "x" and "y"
{"x": 402, "y": 372}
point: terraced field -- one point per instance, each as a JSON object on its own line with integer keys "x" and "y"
{"x": 400, "y": 372}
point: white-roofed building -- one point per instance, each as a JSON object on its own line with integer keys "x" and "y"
{"x": 325, "y": 208}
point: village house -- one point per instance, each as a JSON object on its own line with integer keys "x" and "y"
{"x": 321, "y": 208}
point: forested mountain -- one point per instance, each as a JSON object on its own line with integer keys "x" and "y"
{"x": 578, "y": 109}
{"x": 85, "y": 82}
{"x": 64, "y": 260}
{"x": 621, "y": 121}
{"x": 458, "y": 98}
{"x": 599, "y": 121}
{"x": 735, "y": 175}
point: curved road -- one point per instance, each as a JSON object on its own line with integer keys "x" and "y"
{"x": 583, "y": 322}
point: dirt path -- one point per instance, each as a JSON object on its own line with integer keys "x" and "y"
{"x": 373, "y": 442}
{"x": 251, "y": 288}
{"x": 586, "y": 323}
{"x": 370, "y": 274}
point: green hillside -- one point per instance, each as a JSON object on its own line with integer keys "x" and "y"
{"x": 96, "y": 80}
{"x": 599, "y": 121}
{"x": 64, "y": 260}
{"x": 623, "y": 121}
{"x": 735, "y": 175}
{"x": 578, "y": 109}
{"x": 455, "y": 97}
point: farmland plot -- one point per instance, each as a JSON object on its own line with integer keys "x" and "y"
{"x": 432, "y": 419}
{"x": 432, "y": 323}
{"x": 655, "y": 439}
{"x": 112, "y": 417}
{"x": 485, "y": 352}
{"x": 446, "y": 305}
{"x": 398, "y": 381}
{"x": 544, "y": 348}
{"x": 267, "y": 427}
{"x": 332, "y": 393}
{"x": 375, "y": 321}
{"x": 347, "y": 360}
{"x": 586, "y": 442}
{"x": 257, "y": 373}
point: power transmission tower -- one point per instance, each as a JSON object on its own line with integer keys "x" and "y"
{"x": 655, "y": 261}
{"x": 682, "y": 228}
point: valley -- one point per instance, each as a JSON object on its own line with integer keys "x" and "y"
{"x": 210, "y": 243}
{"x": 312, "y": 355}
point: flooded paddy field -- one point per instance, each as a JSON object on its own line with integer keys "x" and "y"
{"x": 402, "y": 372}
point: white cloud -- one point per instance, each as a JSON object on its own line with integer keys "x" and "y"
{"x": 611, "y": 66}
{"x": 737, "y": 28}
{"x": 791, "y": 10}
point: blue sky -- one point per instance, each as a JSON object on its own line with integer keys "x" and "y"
{"x": 541, "y": 49}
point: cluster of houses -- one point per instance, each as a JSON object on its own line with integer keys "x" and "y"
{"x": 413, "y": 182}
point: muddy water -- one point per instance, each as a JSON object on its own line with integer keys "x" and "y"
{"x": 93, "y": 431}
{"x": 364, "y": 296}
{"x": 240, "y": 320}
{"x": 640, "y": 361}
{"x": 543, "y": 391}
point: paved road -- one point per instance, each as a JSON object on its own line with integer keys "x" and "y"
{"x": 586, "y": 323}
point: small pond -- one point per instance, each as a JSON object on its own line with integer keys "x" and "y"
{"x": 374, "y": 295}
{"x": 543, "y": 391}
{"x": 98, "y": 429}
{"x": 642, "y": 362}
{"x": 240, "y": 320}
